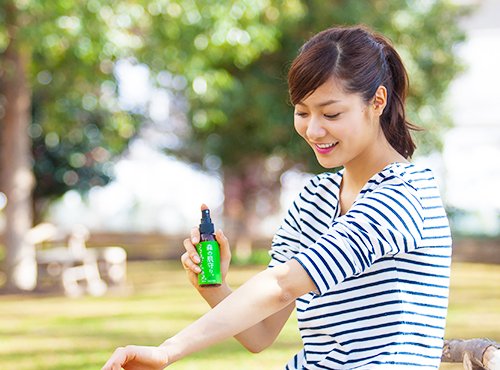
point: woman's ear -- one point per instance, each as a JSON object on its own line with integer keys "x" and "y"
{"x": 380, "y": 100}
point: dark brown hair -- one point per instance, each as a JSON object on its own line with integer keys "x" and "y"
{"x": 361, "y": 60}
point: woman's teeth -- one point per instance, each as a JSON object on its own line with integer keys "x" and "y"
{"x": 326, "y": 146}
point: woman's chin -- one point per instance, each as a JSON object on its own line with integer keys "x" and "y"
{"x": 327, "y": 161}
{"x": 328, "y": 164}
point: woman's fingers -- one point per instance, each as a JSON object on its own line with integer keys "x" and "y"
{"x": 137, "y": 357}
{"x": 116, "y": 360}
{"x": 191, "y": 259}
{"x": 188, "y": 263}
{"x": 225, "y": 251}
{"x": 189, "y": 245}
{"x": 195, "y": 235}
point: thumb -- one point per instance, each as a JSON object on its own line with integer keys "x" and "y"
{"x": 225, "y": 251}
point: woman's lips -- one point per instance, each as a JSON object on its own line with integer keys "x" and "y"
{"x": 325, "y": 148}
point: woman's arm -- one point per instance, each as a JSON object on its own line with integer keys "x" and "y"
{"x": 262, "y": 296}
{"x": 258, "y": 337}
{"x": 265, "y": 294}
{"x": 261, "y": 335}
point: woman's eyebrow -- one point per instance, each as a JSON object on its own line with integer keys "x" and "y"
{"x": 323, "y": 104}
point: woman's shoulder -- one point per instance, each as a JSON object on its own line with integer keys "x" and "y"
{"x": 328, "y": 180}
{"x": 414, "y": 175}
{"x": 403, "y": 179}
{"x": 324, "y": 187}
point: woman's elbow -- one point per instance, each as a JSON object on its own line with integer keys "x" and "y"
{"x": 293, "y": 281}
{"x": 256, "y": 347}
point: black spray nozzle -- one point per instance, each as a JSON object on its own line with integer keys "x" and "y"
{"x": 206, "y": 225}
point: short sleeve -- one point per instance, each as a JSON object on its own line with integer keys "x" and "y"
{"x": 286, "y": 241}
{"x": 386, "y": 221}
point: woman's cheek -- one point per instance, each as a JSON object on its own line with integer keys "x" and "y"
{"x": 300, "y": 127}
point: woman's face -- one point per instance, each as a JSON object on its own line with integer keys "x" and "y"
{"x": 339, "y": 127}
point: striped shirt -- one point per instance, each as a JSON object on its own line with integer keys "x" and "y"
{"x": 381, "y": 271}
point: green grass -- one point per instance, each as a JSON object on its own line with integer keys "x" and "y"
{"x": 40, "y": 332}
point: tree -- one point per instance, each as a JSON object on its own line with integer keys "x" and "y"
{"x": 17, "y": 179}
{"x": 54, "y": 55}
{"x": 57, "y": 61}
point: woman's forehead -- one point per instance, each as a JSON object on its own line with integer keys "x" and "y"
{"x": 330, "y": 92}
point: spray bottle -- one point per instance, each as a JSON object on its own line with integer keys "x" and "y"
{"x": 209, "y": 251}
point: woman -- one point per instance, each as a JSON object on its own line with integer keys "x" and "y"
{"x": 363, "y": 254}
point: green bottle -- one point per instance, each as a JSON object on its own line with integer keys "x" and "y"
{"x": 209, "y": 251}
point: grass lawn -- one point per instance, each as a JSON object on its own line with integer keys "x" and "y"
{"x": 41, "y": 332}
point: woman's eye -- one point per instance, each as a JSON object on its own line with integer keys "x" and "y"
{"x": 331, "y": 116}
{"x": 301, "y": 114}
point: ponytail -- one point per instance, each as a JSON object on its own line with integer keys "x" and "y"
{"x": 393, "y": 121}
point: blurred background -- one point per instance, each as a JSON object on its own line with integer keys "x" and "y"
{"x": 119, "y": 118}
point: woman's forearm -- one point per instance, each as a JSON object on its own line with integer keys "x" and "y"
{"x": 259, "y": 336}
{"x": 263, "y": 295}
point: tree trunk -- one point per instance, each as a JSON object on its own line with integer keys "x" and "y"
{"x": 16, "y": 170}
{"x": 251, "y": 193}
{"x": 475, "y": 354}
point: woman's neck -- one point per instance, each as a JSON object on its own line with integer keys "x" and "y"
{"x": 358, "y": 171}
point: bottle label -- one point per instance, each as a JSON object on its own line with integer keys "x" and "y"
{"x": 209, "y": 253}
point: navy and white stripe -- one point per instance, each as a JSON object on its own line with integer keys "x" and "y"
{"x": 381, "y": 271}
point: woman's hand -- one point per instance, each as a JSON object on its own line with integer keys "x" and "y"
{"x": 190, "y": 259}
{"x": 138, "y": 358}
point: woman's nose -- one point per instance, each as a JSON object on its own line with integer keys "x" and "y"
{"x": 315, "y": 129}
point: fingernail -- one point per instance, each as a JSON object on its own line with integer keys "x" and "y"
{"x": 196, "y": 259}
{"x": 197, "y": 269}
{"x": 194, "y": 240}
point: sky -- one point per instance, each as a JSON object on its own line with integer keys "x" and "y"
{"x": 151, "y": 192}
{"x": 471, "y": 155}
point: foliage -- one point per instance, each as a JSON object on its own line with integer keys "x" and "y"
{"x": 76, "y": 122}
{"x": 72, "y": 47}
{"x": 257, "y": 118}
{"x": 229, "y": 59}
{"x": 258, "y": 256}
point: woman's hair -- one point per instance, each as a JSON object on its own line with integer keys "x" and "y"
{"x": 361, "y": 61}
